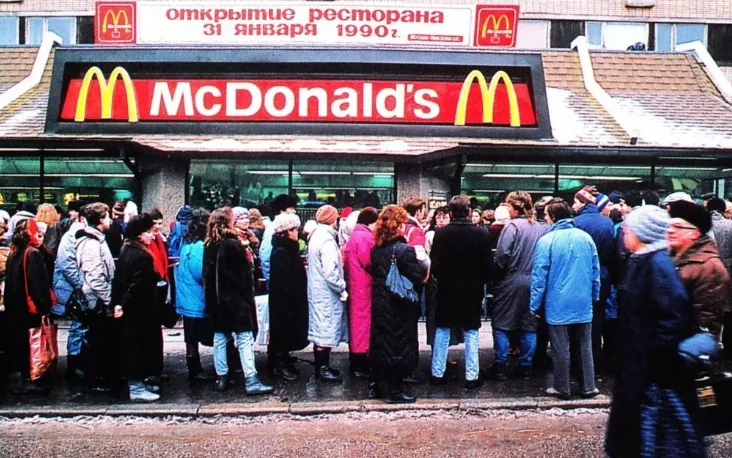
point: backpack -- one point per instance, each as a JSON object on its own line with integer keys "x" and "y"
{"x": 175, "y": 239}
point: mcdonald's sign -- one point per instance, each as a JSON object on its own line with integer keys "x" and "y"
{"x": 106, "y": 91}
{"x": 115, "y": 23}
{"x": 496, "y": 26}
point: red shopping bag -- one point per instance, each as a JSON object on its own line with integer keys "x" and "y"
{"x": 43, "y": 348}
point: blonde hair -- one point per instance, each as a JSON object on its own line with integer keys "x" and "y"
{"x": 47, "y": 214}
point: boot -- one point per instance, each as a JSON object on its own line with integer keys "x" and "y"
{"x": 222, "y": 383}
{"x": 196, "y": 372}
{"x": 523, "y": 372}
{"x": 281, "y": 370}
{"x": 499, "y": 372}
{"x": 254, "y": 386}
{"x": 374, "y": 391}
{"x": 323, "y": 371}
{"x": 140, "y": 394}
{"x": 397, "y": 394}
{"x": 358, "y": 367}
{"x": 290, "y": 363}
{"x": 74, "y": 368}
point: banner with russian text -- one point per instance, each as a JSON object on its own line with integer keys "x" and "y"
{"x": 304, "y": 23}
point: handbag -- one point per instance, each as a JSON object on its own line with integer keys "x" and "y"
{"x": 398, "y": 284}
{"x": 167, "y": 313}
{"x": 43, "y": 343}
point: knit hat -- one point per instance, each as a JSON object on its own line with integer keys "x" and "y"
{"x": 137, "y": 225}
{"x": 585, "y": 196}
{"x": 309, "y": 226}
{"x": 692, "y": 213}
{"x": 285, "y": 222}
{"x": 282, "y": 202}
{"x": 501, "y": 214}
{"x": 602, "y": 201}
{"x": 677, "y": 196}
{"x": 238, "y": 212}
{"x": 118, "y": 209}
{"x": 185, "y": 214}
{"x": 648, "y": 223}
{"x": 42, "y": 227}
{"x": 327, "y": 214}
{"x": 616, "y": 197}
{"x": 346, "y": 211}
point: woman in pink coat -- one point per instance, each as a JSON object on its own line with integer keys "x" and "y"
{"x": 357, "y": 266}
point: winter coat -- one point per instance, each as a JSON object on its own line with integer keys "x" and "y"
{"x": 460, "y": 264}
{"x": 288, "y": 297}
{"x": 265, "y": 250}
{"x": 190, "y": 300}
{"x": 95, "y": 261}
{"x": 14, "y": 220}
{"x": 414, "y": 232}
{"x": 722, "y": 228}
{"x": 52, "y": 239}
{"x": 328, "y": 321}
{"x": 601, "y": 229}
{"x": 357, "y": 266}
{"x": 706, "y": 280}
{"x": 394, "y": 346}
{"x": 160, "y": 255}
{"x": 135, "y": 289}
{"x": 115, "y": 236}
{"x": 66, "y": 274}
{"x": 229, "y": 287}
{"x": 512, "y": 263}
{"x": 565, "y": 279}
{"x": 653, "y": 320}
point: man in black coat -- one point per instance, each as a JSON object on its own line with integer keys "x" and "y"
{"x": 460, "y": 261}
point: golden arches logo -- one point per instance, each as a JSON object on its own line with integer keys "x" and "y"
{"x": 115, "y": 22}
{"x": 106, "y": 93}
{"x": 488, "y": 96}
{"x": 497, "y": 21}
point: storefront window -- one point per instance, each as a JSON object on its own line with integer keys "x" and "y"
{"x": 605, "y": 177}
{"x": 695, "y": 180}
{"x": 250, "y": 183}
{"x": 339, "y": 183}
{"x": 90, "y": 179}
{"x": 20, "y": 181}
{"x": 490, "y": 183}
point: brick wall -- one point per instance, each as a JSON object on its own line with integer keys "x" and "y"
{"x": 727, "y": 72}
{"x": 689, "y": 10}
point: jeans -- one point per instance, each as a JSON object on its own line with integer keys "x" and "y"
{"x": 439, "y": 353}
{"x": 527, "y": 346}
{"x": 77, "y": 339}
{"x": 245, "y": 345}
{"x": 559, "y": 335}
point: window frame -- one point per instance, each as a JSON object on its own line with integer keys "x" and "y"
{"x": 603, "y": 28}
{"x": 674, "y": 34}
{"x": 73, "y": 33}
{"x": 547, "y": 34}
{"x": 17, "y": 29}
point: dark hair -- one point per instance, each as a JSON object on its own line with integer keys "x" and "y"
{"x": 616, "y": 216}
{"x": 413, "y": 204}
{"x": 75, "y": 205}
{"x": 651, "y": 197}
{"x": 29, "y": 206}
{"x": 94, "y": 213}
{"x": 367, "y": 216}
{"x": 716, "y": 204}
{"x": 459, "y": 206}
{"x": 282, "y": 202}
{"x": 196, "y": 229}
{"x": 558, "y": 209}
{"x": 21, "y": 238}
{"x": 444, "y": 210}
{"x": 155, "y": 214}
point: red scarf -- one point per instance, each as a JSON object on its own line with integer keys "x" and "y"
{"x": 160, "y": 256}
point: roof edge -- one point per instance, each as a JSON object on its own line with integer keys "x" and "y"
{"x": 711, "y": 67}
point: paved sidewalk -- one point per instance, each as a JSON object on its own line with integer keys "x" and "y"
{"x": 302, "y": 397}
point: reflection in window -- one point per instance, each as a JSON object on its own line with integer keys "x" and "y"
{"x": 670, "y": 35}
{"x": 617, "y": 35}
{"x": 215, "y": 183}
{"x": 693, "y": 180}
{"x": 355, "y": 184}
{"x": 65, "y": 27}
{"x": 489, "y": 183}
{"x": 8, "y": 30}
{"x": 90, "y": 179}
{"x": 20, "y": 181}
{"x": 606, "y": 178}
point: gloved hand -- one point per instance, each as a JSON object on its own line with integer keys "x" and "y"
{"x": 344, "y": 296}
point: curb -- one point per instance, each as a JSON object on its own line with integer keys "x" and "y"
{"x": 304, "y": 409}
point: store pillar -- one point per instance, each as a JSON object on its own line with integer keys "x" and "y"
{"x": 414, "y": 180}
{"x": 163, "y": 185}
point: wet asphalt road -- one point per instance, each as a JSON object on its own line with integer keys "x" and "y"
{"x": 553, "y": 433}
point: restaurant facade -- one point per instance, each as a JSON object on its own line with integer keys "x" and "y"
{"x": 355, "y": 124}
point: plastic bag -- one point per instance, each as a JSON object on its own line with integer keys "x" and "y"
{"x": 43, "y": 348}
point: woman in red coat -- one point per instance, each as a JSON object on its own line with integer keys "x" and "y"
{"x": 357, "y": 266}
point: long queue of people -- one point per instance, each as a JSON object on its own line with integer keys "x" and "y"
{"x": 608, "y": 278}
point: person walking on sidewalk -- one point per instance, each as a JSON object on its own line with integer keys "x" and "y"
{"x": 357, "y": 266}
{"x": 461, "y": 260}
{"x": 288, "y": 298}
{"x": 394, "y": 348}
{"x": 95, "y": 262}
{"x": 654, "y": 403}
{"x": 190, "y": 297}
{"x": 134, "y": 295}
{"x": 513, "y": 260}
{"x": 565, "y": 281}
{"x": 229, "y": 292}
{"x": 328, "y": 321}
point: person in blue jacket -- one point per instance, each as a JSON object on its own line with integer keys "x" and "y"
{"x": 565, "y": 281}
{"x": 189, "y": 299}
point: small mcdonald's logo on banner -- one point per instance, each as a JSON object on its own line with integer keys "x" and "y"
{"x": 496, "y": 26}
{"x": 115, "y": 23}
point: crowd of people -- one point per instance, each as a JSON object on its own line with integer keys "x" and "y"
{"x": 621, "y": 283}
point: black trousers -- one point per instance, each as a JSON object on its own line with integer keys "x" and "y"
{"x": 101, "y": 360}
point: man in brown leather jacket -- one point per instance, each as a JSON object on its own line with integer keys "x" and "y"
{"x": 698, "y": 263}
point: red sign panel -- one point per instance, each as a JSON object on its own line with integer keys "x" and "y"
{"x": 472, "y": 101}
{"x": 115, "y": 23}
{"x": 496, "y": 26}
